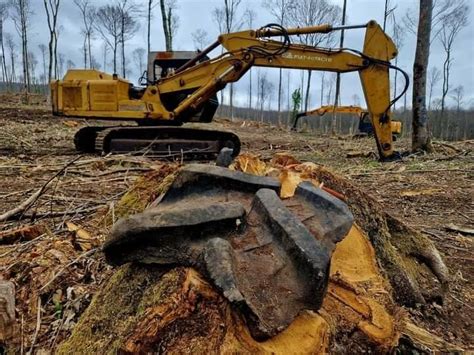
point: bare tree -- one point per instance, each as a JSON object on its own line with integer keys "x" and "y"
{"x": 32, "y": 62}
{"x": 108, "y": 25}
{"x": 95, "y": 63}
{"x": 151, "y": 6}
{"x": 452, "y": 24}
{"x": 10, "y": 43}
{"x": 441, "y": 8}
{"x": 330, "y": 84}
{"x": 227, "y": 20}
{"x": 88, "y": 18}
{"x": 51, "y": 8}
{"x": 3, "y": 61}
{"x": 218, "y": 15}
{"x": 61, "y": 63}
{"x": 388, "y": 12}
{"x": 70, "y": 64}
{"x": 265, "y": 89}
{"x": 21, "y": 17}
{"x": 139, "y": 58}
{"x": 169, "y": 21}
{"x": 338, "y": 75}
{"x": 43, "y": 48}
{"x": 356, "y": 100}
{"x": 458, "y": 96}
{"x": 128, "y": 26}
{"x": 421, "y": 136}
{"x": 279, "y": 10}
{"x": 59, "y": 30}
{"x": 200, "y": 38}
{"x": 398, "y": 36}
{"x": 249, "y": 18}
{"x": 434, "y": 75}
{"x": 310, "y": 13}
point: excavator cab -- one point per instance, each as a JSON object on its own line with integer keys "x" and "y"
{"x": 164, "y": 64}
{"x": 365, "y": 124}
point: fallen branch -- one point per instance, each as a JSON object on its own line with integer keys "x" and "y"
{"x": 413, "y": 171}
{"x": 443, "y": 144}
{"x": 111, "y": 172}
{"x": 462, "y": 230}
{"x": 61, "y": 213}
{"x": 25, "y": 205}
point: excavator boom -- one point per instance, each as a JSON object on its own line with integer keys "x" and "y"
{"x": 186, "y": 90}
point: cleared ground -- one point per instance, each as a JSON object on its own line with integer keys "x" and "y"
{"x": 60, "y": 270}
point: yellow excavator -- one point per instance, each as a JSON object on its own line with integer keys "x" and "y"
{"x": 181, "y": 87}
{"x": 365, "y": 123}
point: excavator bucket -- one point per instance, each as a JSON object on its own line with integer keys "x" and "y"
{"x": 269, "y": 257}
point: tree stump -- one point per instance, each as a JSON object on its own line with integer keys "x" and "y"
{"x": 382, "y": 261}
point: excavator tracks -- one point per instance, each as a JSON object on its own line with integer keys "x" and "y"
{"x": 159, "y": 141}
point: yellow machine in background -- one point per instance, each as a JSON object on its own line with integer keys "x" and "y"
{"x": 181, "y": 87}
{"x": 365, "y": 124}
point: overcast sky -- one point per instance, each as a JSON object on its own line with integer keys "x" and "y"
{"x": 195, "y": 14}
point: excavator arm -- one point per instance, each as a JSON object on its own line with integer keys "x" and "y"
{"x": 255, "y": 48}
{"x": 321, "y": 111}
{"x": 365, "y": 124}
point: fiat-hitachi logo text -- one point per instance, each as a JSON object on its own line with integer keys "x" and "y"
{"x": 306, "y": 57}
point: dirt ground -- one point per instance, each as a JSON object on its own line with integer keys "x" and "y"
{"x": 57, "y": 272}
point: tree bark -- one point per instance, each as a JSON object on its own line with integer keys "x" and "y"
{"x": 122, "y": 42}
{"x": 338, "y": 77}
{"x": 115, "y": 54}
{"x": 446, "y": 67}
{"x": 13, "y": 73}
{"x": 149, "y": 25}
{"x": 85, "y": 53}
{"x": 279, "y": 96}
{"x": 250, "y": 89}
{"x": 308, "y": 85}
{"x": 90, "y": 49}
{"x": 231, "y": 101}
{"x": 4, "y": 63}
{"x": 55, "y": 54}
{"x": 170, "y": 29}
{"x": 421, "y": 137}
{"x": 166, "y": 29}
